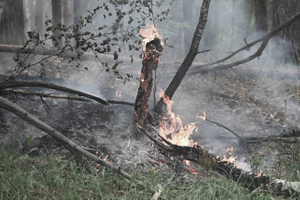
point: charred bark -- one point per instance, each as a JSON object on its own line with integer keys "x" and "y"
{"x": 189, "y": 58}
{"x": 150, "y": 62}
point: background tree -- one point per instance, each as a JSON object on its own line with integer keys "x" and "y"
{"x": 56, "y": 20}
{"x": 292, "y": 33}
{"x": 39, "y": 8}
{"x": 261, "y": 16}
{"x": 188, "y": 18}
{"x": 12, "y": 23}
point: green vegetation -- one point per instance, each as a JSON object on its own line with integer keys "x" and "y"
{"x": 48, "y": 177}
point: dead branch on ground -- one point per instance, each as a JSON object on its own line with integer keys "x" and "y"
{"x": 66, "y": 142}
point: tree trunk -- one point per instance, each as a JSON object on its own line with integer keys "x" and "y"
{"x": 39, "y": 8}
{"x": 67, "y": 12}
{"x": 292, "y": 33}
{"x": 189, "y": 58}
{"x": 275, "y": 14}
{"x": 12, "y": 23}
{"x": 77, "y": 6}
{"x": 187, "y": 7}
{"x": 56, "y": 20}
{"x": 261, "y": 16}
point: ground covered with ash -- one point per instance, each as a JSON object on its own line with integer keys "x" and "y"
{"x": 250, "y": 100}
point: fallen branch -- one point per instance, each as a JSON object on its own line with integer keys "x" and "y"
{"x": 13, "y": 84}
{"x": 265, "y": 39}
{"x": 22, "y": 92}
{"x": 285, "y": 139}
{"x": 199, "y": 155}
{"x": 66, "y": 142}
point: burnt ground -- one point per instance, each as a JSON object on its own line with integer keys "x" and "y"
{"x": 250, "y": 100}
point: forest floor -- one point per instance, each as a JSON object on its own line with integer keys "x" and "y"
{"x": 250, "y": 100}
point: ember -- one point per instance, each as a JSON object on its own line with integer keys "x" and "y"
{"x": 232, "y": 158}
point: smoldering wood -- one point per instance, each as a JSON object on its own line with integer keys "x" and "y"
{"x": 150, "y": 62}
{"x": 76, "y": 98}
{"x": 13, "y": 84}
{"x": 200, "y": 156}
{"x": 63, "y": 140}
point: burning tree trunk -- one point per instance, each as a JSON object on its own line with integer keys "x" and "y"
{"x": 150, "y": 62}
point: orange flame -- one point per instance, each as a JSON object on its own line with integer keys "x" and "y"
{"x": 172, "y": 129}
{"x": 149, "y": 33}
{"x": 118, "y": 94}
{"x": 232, "y": 158}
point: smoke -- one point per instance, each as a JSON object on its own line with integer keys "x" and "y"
{"x": 259, "y": 98}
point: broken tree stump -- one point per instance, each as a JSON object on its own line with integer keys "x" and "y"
{"x": 150, "y": 62}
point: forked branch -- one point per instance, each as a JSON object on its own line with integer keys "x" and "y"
{"x": 265, "y": 39}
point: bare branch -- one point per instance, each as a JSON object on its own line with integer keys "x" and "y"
{"x": 13, "y": 84}
{"x": 189, "y": 58}
{"x": 264, "y": 41}
{"x": 47, "y": 95}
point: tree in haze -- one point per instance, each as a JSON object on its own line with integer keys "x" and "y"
{"x": 261, "y": 16}
{"x": 56, "y": 20}
{"x": 39, "y": 8}
{"x": 292, "y": 33}
{"x": 12, "y": 23}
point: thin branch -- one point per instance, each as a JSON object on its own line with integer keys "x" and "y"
{"x": 228, "y": 129}
{"x": 13, "y": 84}
{"x": 263, "y": 39}
{"x": 203, "y": 51}
{"x": 56, "y": 96}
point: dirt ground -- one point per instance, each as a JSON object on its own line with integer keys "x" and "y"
{"x": 250, "y": 100}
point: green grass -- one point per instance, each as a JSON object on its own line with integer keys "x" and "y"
{"x": 48, "y": 177}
